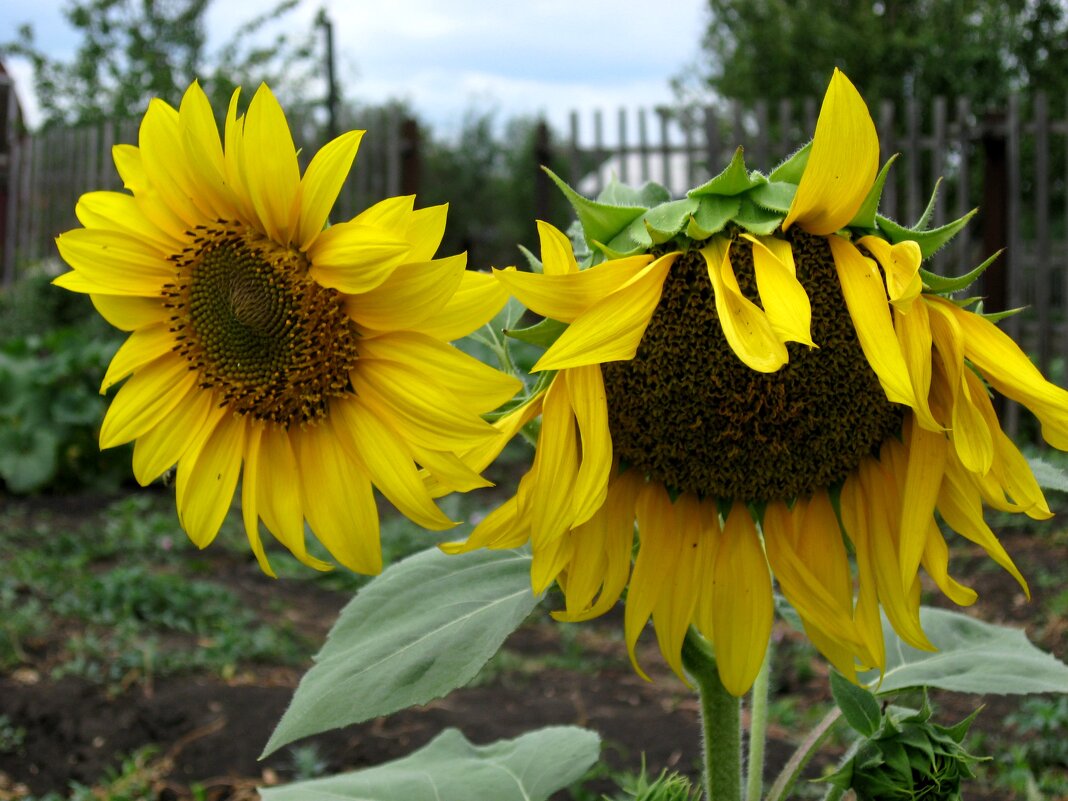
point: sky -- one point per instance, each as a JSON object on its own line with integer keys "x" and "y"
{"x": 542, "y": 57}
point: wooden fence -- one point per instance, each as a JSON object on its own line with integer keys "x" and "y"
{"x": 1013, "y": 165}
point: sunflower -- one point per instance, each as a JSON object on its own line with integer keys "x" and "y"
{"x": 310, "y": 361}
{"x": 764, "y": 380}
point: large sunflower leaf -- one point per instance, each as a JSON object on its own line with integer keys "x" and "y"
{"x": 973, "y": 657}
{"x": 450, "y": 768}
{"x": 422, "y": 628}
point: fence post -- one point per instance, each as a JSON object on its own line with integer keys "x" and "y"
{"x": 995, "y": 210}
{"x": 411, "y": 166}
{"x": 543, "y": 154}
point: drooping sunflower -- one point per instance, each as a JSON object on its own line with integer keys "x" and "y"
{"x": 764, "y": 380}
{"x": 311, "y": 361}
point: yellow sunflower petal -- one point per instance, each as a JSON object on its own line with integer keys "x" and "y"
{"x": 140, "y": 348}
{"x": 865, "y": 297}
{"x": 901, "y": 265}
{"x": 130, "y": 166}
{"x": 417, "y": 407}
{"x": 208, "y": 483}
{"x": 556, "y": 462}
{"x": 386, "y": 460}
{"x": 321, "y": 184}
{"x": 278, "y": 494}
{"x": 926, "y": 463}
{"x": 842, "y": 164}
{"x": 476, "y": 301}
{"x": 866, "y": 614}
{"x": 410, "y": 294}
{"x": 961, "y": 507}
{"x": 338, "y": 500}
{"x": 204, "y": 158}
{"x": 566, "y": 296}
{"x": 116, "y": 261}
{"x": 557, "y": 255}
{"x": 159, "y": 449}
{"x": 448, "y": 366}
{"x": 160, "y": 141}
{"x": 590, "y": 406}
{"x": 745, "y": 325}
{"x": 611, "y": 329}
{"x": 146, "y": 399}
{"x": 393, "y": 214}
{"x": 249, "y": 515}
{"x": 273, "y": 176}
{"x": 936, "y": 562}
{"x": 784, "y": 299}
{"x": 914, "y": 336}
{"x": 354, "y": 258}
{"x": 122, "y": 213}
{"x": 129, "y": 313}
{"x": 501, "y": 528}
{"x": 425, "y": 229}
{"x": 744, "y": 609}
{"x": 655, "y": 567}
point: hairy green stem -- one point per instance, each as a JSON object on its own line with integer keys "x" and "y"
{"x": 791, "y": 771}
{"x": 720, "y": 721}
{"x": 758, "y": 730}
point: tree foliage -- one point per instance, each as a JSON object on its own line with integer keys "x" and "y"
{"x": 130, "y": 51}
{"x": 893, "y": 49}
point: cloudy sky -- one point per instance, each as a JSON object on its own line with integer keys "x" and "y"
{"x": 537, "y": 56}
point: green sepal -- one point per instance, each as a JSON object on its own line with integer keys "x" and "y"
{"x": 997, "y": 317}
{"x": 713, "y": 213}
{"x": 543, "y": 334}
{"x": 774, "y": 196}
{"x": 924, "y": 223}
{"x": 859, "y": 707}
{"x": 791, "y": 170}
{"x": 669, "y": 219}
{"x": 601, "y": 222}
{"x": 630, "y": 241}
{"x": 649, "y": 194}
{"x": 734, "y": 180}
{"x": 865, "y": 216}
{"x": 941, "y": 285}
{"x": 532, "y": 261}
{"x": 756, "y": 220}
{"x": 929, "y": 241}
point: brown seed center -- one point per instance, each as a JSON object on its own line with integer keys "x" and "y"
{"x": 274, "y": 343}
{"x": 688, "y": 412}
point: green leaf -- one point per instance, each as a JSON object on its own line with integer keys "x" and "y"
{"x": 647, "y": 195}
{"x": 793, "y": 168}
{"x": 1047, "y": 475}
{"x": 924, "y": 223}
{"x": 774, "y": 196}
{"x": 756, "y": 220}
{"x": 929, "y": 241}
{"x": 942, "y": 285}
{"x": 734, "y": 180}
{"x": 865, "y": 216}
{"x": 712, "y": 214}
{"x": 449, "y": 768}
{"x": 668, "y": 219}
{"x": 858, "y": 705}
{"x": 973, "y": 657}
{"x": 600, "y": 221}
{"x": 422, "y": 628}
{"x": 543, "y": 334}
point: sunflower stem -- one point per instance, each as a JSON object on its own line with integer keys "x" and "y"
{"x": 720, "y": 721}
{"x": 758, "y": 729}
